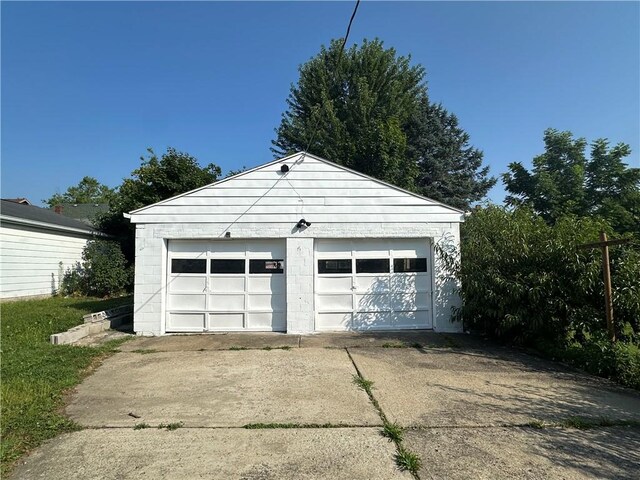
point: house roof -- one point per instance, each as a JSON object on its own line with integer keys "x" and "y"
{"x": 21, "y": 200}
{"x": 298, "y": 157}
{"x": 12, "y": 212}
{"x": 84, "y": 212}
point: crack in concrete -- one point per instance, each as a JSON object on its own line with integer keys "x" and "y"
{"x": 383, "y": 417}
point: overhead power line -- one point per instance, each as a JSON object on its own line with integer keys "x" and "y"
{"x": 335, "y": 72}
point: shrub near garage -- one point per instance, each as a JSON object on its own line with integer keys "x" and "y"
{"x": 103, "y": 271}
{"x": 525, "y": 281}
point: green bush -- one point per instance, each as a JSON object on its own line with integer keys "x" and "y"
{"x": 524, "y": 280}
{"x": 103, "y": 271}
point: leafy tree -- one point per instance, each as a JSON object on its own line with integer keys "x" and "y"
{"x": 564, "y": 181}
{"x": 450, "y": 170}
{"x": 368, "y": 110}
{"x": 88, "y": 190}
{"x": 156, "y": 179}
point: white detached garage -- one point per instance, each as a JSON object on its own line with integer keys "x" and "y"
{"x": 298, "y": 245}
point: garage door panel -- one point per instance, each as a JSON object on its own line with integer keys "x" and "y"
{"x": 334, "y": 302}
{"x": 230, "y": 284}
{"x": 222, "y": 285}
{"x": 406, "y": 282}
{"x": 187, "y": 302}
{"x": 266, "y": 249}
{"x": 333, "y": 321}
{"x": 266, "y": 302}
{"x": 189, "y": 248}
{"x": 372, "y": 302}
{"x": 226, "y": 321}
{"x": 390, "y": 287}
{"x": 415, "y": 319}
{"x": 185, "y": 322}
{"x": 409, "y": 301}
{"x": 266, "y": 284}
{"x": 374, "y": 283}
{"x": 267, "y": 320}
{"x": 226, "y": 302}
{"x": 185, "y": 283}
{"x": 372, "y": 320}
{"x": 333, "y": 284}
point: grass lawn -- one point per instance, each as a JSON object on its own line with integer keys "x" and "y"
{"x": 36, "y": 374}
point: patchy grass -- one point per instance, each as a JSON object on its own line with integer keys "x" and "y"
{"x": 141, "y": 426}
{"x": 393, "y": 432}
{"x": 406, "y": 460}
{"x": 583, "y": 423}
{"x": 36, "y": 374}
{"x": 537, "y": 424}
{"x": 416, "y": 345}
{"x": 170, "y": 426}
{"x": 266, "y": 426}
{"x": 366, "y": 385}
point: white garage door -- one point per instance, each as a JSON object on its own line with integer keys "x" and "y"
{"x": 228, "y": 285}
{"x": 373, "y": 284}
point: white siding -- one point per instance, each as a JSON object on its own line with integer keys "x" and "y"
{"x": 314, "y": 189}
{"x": 32, "y": 261}
{"x": 264, "y": 203}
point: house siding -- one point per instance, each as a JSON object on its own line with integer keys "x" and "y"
{"x": 33, "y": 260}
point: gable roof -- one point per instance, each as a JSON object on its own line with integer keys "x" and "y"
{"x": 12, "y": 212}
{"x": 314, "y": 181}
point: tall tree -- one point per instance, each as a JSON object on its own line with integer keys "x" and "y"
{"x": 450, "y": 170}
{"x": 88, "y": 190}
{"x": 564, "y": 181}
{"x": 156, "y": 179}
{"x": 368, "y": 110}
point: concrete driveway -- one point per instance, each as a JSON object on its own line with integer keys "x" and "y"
{"x": 286, "y": 407}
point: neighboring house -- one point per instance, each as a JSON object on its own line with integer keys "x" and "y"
{"x": 83, "y": 212}
{"x": 22, "y": 201}
{"x": 36, "y": 247}
{"x": 298, "y": 245}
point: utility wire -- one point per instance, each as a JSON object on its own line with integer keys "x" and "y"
{"x": 315, "y": 128}
{"x": 335, "y": 72}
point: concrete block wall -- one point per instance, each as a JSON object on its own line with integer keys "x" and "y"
{"x": 299, "y": 272}
{"x": 151, "y": 255}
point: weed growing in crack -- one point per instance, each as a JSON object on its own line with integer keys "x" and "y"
{"x": 366, "y": 385}
{"x": 408, "y": 461}
{"x": 144, "y": 351}
{"x": 394, "y": 345}
{"x": 140, "y": 426}
{"x": 170, "y": 426}
{"x": 238, "y": 348}
{"x": 393, "y": 432}
{"x": 537, "y": 424}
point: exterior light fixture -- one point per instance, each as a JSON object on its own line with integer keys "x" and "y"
{"x": 303, "y": 223}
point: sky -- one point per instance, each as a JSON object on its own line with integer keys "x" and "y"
{"x": 87, "y": 87}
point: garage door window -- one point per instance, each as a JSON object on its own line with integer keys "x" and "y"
{"x": 187, "y": 265}
{"x": 372, "y": 265}
{"x": 407, "y": 265}
{"x": 334, "y": 266}
{"x": 227, "y": 266}
{"x": 266, "y": 266}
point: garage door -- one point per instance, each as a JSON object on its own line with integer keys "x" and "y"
{"x": 373, "y": 284}
{"x": 226, "y": 285}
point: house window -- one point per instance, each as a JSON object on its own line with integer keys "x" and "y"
{"x": 334, "y": 266}
{"x": 406, "y": 265}
{"x": 372, "y": 265}
{"x": 188, "y": 265}
{"x": 227, "y": 266}
{"x": 266, "y": 266}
